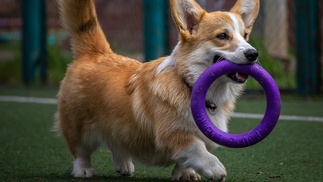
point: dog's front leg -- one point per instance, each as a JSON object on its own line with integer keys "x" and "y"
{"x": 181, "y": 173}
{"x": 197, "y": 157}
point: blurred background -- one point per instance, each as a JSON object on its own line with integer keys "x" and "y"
{"x": 35, "y": 50}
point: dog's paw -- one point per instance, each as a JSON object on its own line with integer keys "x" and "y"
{"x": 214, "y": 170}
{"x": 83, "y": 169}
{"x": 84, "y": 173}
{"x": 185, "y": 174}
{"x": 125, "y": 168}
{"x": 197, "y": 157}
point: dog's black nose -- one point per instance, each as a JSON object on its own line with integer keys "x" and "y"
{"x": 251, "y": 55}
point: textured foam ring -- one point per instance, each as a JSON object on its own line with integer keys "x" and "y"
{"x": 251, "y": 137}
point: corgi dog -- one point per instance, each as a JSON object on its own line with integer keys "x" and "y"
{"x": 141, "y": 111}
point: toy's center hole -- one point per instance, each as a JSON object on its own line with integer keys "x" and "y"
{"x": 250, "y": 108}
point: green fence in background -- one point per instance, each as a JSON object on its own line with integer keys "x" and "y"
{"x": 308, "y": 47}
{"x": 34, "y": 41}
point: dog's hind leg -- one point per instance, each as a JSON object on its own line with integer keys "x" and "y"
{"x": 122, "y": 162}
{"x": 82, "y": 162}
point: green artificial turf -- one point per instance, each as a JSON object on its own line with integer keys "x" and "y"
{"x": 293, "y": 152}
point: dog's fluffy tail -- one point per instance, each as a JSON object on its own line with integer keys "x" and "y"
{"x": 80, "y": 20}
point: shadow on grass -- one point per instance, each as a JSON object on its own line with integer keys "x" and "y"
{"x": 68, "y": 177}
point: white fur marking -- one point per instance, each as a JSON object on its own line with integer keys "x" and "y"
{"x": 237, "y": 29}
{"x": 169, "y": 61}
{"x": 242, "y": 45}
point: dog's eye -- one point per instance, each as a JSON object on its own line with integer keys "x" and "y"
{"x": 223, "y": 36}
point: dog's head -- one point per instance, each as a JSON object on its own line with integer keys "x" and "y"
{"x": 206, "y": 38}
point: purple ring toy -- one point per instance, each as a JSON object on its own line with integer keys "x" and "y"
{"x": 251, "y": 137}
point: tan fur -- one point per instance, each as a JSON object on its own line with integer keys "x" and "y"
{"x": 141, "y": 111}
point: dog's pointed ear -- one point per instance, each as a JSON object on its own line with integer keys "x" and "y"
{"x": 186, "y": 15}
{"x": 248, "y": 10}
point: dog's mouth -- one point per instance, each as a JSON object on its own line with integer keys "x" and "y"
{"x": 235, "y": 77}
{"x": 238, "y": 77}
